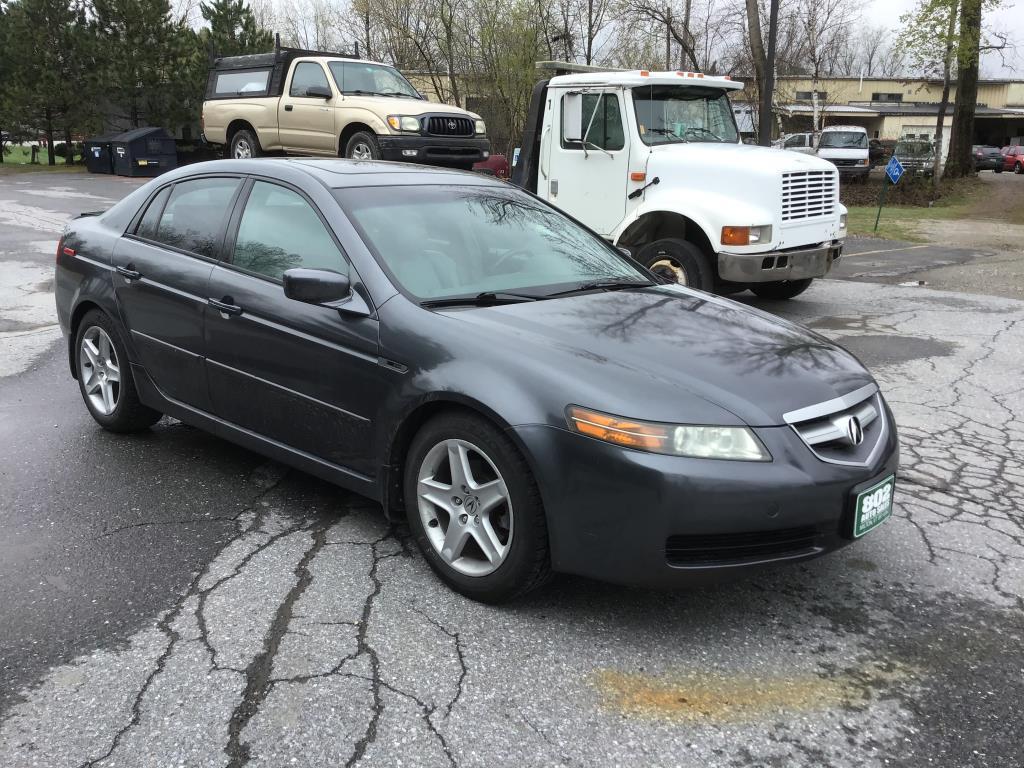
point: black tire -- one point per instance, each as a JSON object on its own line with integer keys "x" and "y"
{"x": 998, "y": 170}
{"x": 364, "y": 139}
{"x": 129, "y": 413}
{"x": 680, "y": 260}
{"x": 781, "y": 289}
{"x": 242, "y": 139}
{"x": 1018, "y": 168}
{"x": 527, "y": 564}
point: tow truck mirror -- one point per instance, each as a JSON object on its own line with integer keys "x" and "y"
{"x": 572, "y": 117}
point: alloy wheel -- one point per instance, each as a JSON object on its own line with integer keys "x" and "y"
{"x": 465, "y": 508}
{"x": 242, "y": 150}
{"x": 362, "y": 151}
{"x": 99, "y": 370}
{"x": 668, "y": 267}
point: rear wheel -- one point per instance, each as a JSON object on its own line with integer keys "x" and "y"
{"x": 105, "y": 378}
{"x": 244, "y": 145}
{"x": 781, "y": 289}
{"x": 475, "y": 509}
{"x": 1018, "y": 168}
{"x": 363, "y": 146}
{"x": 678, "y": 260}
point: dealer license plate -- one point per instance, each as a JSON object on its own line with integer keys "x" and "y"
{"x": 874, "y": 506}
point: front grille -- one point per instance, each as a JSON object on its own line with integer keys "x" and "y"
{"x": 826, "y": 429}
{"x": 844, "y": 162}
{"x": 450, "y": 126}
{"x": 809, "y": 194}
{"x": 690, "y": 551}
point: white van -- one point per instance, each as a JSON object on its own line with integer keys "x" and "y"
{"x": 846, "y": 147}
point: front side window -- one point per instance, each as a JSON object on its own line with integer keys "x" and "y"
{"x": 602, "y": 122}
{"x": 308, "y": 74}
{"x": 843, "y": 140}
{"x": 361, "y": 79}
{"x": 279, "y": 230}
{"x": 794, "y": 141}
{"x": 453, "y": 241}
{"x": 242, "y": 83}
{"x": 194, "y": 216}
{"x": 668, "y": 114}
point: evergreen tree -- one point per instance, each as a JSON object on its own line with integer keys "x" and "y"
{"x": 233, "y": 28}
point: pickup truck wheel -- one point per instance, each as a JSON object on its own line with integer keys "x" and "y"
{"x": 363, "y": 146}
{"x": 244, "y": 145}
{"x": 781, "y": 289}
{"x": 678, "y": 260}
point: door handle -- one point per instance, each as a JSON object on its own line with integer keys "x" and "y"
{"x": 225, "y": 306}
{"x": 287, "y": 107}
{"x": 129, "y": 272}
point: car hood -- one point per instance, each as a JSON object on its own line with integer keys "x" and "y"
{"x": 647, "y": 353}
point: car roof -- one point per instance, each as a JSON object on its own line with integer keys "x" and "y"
{"x": 336, "y": 173}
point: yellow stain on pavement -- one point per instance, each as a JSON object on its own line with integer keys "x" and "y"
{"x": 737, "y": 698}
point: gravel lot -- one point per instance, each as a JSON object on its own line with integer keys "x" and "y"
{"x": 169, "y": 599}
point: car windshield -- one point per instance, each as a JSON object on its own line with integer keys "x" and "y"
{"x": 361, "y": 78}
{"x": 667, "y": 114}
{"x": 843, "y": 140}
{"x": 441, "y": 242}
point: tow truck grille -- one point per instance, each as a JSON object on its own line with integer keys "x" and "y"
{"x": 809, "y": 194}
{"x": 450, "y": 126}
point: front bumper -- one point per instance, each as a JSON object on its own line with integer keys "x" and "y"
{"x": 792, "y": 264}
{"x": 638, "y": 518}
{"x": 435, "y": 150}
{"x": 853, "y": 171}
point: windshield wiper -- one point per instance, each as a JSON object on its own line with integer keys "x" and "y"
{"x": 667, "y": 132}
{"x": 602, "y": 285}
{"x": 485, "y": 299}
{"x": 358, "y": 92}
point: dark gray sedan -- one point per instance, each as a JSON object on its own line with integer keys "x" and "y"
{"x": 454, "y": 348}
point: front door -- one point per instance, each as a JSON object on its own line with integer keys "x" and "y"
{"x": 588, "y": 179}
{"x": 300, "y": 374}
{"x": 162, "y": 271}
{"x": 307, "y": 122}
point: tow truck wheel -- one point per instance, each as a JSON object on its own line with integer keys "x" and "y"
{"x": 781, "y": 289}
{"x": 678, "y": 260}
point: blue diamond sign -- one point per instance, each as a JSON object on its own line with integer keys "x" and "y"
{"x": 894, "y": 170}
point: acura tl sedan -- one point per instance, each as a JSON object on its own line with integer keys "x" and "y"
{"x": 530, "y": 398}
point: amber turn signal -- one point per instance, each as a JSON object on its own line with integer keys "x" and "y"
{"x": 631, "y": 434}
{"x": 735, "y": 235}
{"x": 637, "y": 176}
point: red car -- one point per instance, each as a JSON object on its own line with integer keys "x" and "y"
{"x": 1013, "y": 158}
{"x": 495, "y": 165}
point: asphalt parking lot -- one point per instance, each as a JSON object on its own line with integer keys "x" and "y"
{"x": 168, "y": 599}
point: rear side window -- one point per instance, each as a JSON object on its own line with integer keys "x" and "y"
{"x": 252, "y": 82}
{"x": 147, "y": 226}
{"x": 280, "y": 230}
{"x": 307, "y": 74}
{"x": 194, "y": 216}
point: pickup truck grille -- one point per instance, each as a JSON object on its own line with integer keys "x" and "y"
{"x": 450, "y": 126}
{"x": 809, "y": 194}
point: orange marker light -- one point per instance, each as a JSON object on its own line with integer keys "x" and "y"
{"x": 735, "y": 235}
{"x": 637, "y": 176}
{"x": 631, "y": 434}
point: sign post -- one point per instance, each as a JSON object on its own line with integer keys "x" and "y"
{"x": 893, "y": 173}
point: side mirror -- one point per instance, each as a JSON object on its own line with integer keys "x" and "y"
{"x": 316, "y": 286}
{"x": 572, "y": 117}
{"x": 319, "y": 92}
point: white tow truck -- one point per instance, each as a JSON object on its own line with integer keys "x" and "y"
{"x": 653, "y": 162}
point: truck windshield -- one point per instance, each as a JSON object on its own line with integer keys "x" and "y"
{"x": 843, "y": 140}
{"x": 669, "y": 114}
{"x": 361, "y": 78}
{"x": 470, "y": 242}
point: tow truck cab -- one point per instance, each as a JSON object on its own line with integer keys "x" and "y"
{"x": 653, "y": 162}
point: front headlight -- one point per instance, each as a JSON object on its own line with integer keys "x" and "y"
{"x": 746, "y": 235}
{"x": 695, "y": 441}
{"x": 404, "y": 123}
{"x": 842, "y": 220}
{"x": 480, "y": 127}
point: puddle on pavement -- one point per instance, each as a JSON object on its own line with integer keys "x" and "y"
{"x": 882, "y": 349}
{"x": 738, "y": 698}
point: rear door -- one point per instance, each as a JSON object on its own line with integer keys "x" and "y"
{"x": 307, "y": 122}
{"x": 162, "y": 270}
{"x": 303, "y": 375}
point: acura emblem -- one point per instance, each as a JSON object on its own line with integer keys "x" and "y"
{"x": 452, "y": 125}
{"x": 854, "y": 431}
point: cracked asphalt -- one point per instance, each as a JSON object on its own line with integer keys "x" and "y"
{"x": 168, "y": 599}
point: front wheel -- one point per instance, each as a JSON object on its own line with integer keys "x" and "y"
{"x": 363, "y": 146}
{"x": 475, "y": 510}
{"x": 781, "y": 289}
{"x": 678, "y": 260}
{"x": 1018, "y": 168}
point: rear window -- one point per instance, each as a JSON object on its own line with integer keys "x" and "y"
{"x": 252, "y": 82}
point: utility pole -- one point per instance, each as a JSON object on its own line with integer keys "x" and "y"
{"x": 668, "y": 38}
{"x": 764, "y": 116}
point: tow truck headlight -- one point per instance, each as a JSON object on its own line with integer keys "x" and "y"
{"x": 746, "y": 235}
{"x": 694, "y": 441}
{"x": 480, "y": 126}
{"x": 404, "y": 123}
{"x": 842, "y": 220}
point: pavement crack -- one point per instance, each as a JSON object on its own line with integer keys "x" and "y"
{"x": 463, "y": 669}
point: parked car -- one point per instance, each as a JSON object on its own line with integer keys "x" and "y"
{"x": 1013, "y": 158}
{"x": 880, "y": 150}
{"x": 987, "y": 158}
{"x": 495, "y": 165}
{"x": 797, "y": 142}
{"x": 917, "y": 156}
{"x": 532, "y": 398}
{"x": 846, "y": 147}
{"x": 313, "y": 103}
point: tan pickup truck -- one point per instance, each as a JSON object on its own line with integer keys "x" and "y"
{"x": 311, "y": 103}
